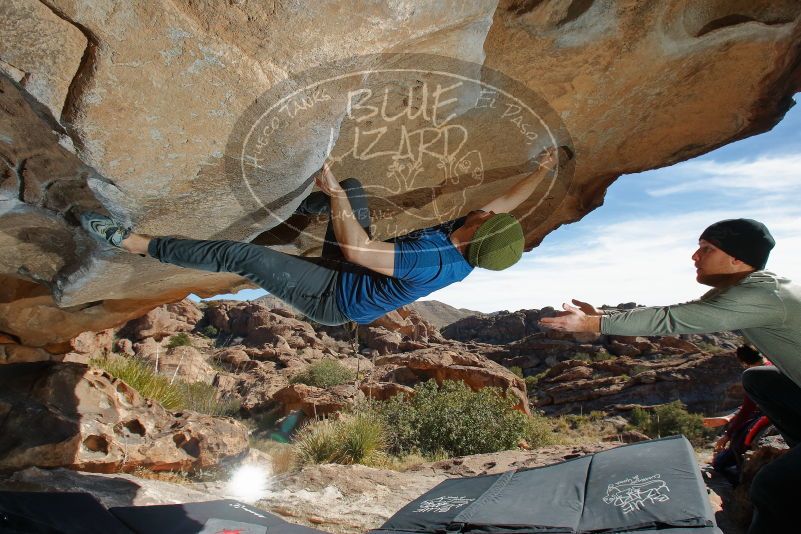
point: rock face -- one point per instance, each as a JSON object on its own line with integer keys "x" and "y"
{"x": 163, "y": 321}
{"x": 498, "y": 328}
{"x": 70, "y": 415}
{"x": 90, "y": 121}
{"x": 703, "y": 382}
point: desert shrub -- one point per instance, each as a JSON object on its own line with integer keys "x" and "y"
{"x": 210, "y": 331}
{"x": 597, "y": 415}
{"x": 355, "y": 438}
{"x": 601, "y": 356}
{"x": 454, "y": 420}
{"x": 670, "y": 419}
{"x": 706, "y": 346}
{"x": 172, "y": 395}
{"x": 283, "y": 456}
{"x": 516, "y": 370}
{"x": 140, "y": 375}
{"x": 179, "y": 340}
{"x": 637, "y": 369}
{"x": 323, "y": 374}
{"x": 533, "y": 380}
{"x": 581, "y": 356}
{"x": 202, "y": 397}
{"x": 318, "y": 443}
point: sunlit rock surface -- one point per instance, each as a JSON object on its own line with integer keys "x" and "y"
{"x": 156, "y": 130}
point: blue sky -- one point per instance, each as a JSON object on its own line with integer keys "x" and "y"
{"x": 637, "y": 246}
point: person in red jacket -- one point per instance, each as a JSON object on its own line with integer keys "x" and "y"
{"x": 730, "y": 447}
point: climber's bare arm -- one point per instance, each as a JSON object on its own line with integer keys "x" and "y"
{"x": 356, "y": 245}
{"x": 518, "y": 193}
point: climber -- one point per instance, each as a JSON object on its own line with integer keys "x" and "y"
{"x": 766, "y": 309}
{"x": 357, "y": 279}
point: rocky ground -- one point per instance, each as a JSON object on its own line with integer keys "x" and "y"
{"x": 248, "y": 351}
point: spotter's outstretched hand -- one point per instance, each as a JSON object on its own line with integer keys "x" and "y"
{"x": 572, "y": 320}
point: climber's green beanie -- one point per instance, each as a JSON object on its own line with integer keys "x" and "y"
{"x": 497, "y": 244}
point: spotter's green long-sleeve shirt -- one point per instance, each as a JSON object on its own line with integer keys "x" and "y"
{"x": 765, "y": 307}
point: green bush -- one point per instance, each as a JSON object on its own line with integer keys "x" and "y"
{"x": 141, "y": 376}
{"x": 533, "y": 380}
{"x": 516, "y": 370}
{"x": 201, "y": 397}
{"x": 668, "y": 420}
{"x": 454, "y": 420}
{"x": 174, "y": 396}
{"x": 706, "y": 346}
{"x": 581, "y": 356}
{"x": 179, "y": 340}
{"x": 601, "y": 356}
{"x": 210, "y": 331}
{"x": 323, "y": 374}
{"x": 356, "y": 438}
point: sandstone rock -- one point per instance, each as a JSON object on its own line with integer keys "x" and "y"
{"x": 15, "y": 353}
{"x": 164, "y": 321}
{"x": 409, "y": 324}
{"x": 503, "y": 327}
{"x": 316, "y": 402}
{"x": 255, "y": 389}
{"x": 124, "y": 346}
{"x": 44, "y": 48}
{"x": 235, "y": 359}
{"x": 93, "y": 343}
{"x": 678, "y": 343}
{"x": 186, "y": 364}
{"x": 382, "y": 340}
{"x": 619, "y": 349}
{"x": 149, "y": 349}
{"x": 701, "y": 382}
{"x": 575, "y": 373}
{"x": 70, "y": 415}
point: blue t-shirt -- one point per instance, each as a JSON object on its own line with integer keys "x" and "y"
{"x": 425, "y": 261}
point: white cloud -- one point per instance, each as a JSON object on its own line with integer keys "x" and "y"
{"x": 763, "y": 175}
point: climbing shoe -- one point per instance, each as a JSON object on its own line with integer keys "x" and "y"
{"x": 104, "y": 228}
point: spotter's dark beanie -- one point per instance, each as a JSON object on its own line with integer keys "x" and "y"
{"x": 745, "y": 239}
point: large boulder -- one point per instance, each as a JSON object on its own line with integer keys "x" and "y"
{"x": 90, "y": 122}
{"x": 184, "y": 363}
{"x": 164, "y": 321}
{"x": 71, "y": 415}
{"x": 316, "y": 402}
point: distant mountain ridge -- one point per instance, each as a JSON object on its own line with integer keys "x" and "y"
{"x": 437, "y": 313}
{"x": 440, "y": 314}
